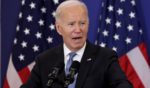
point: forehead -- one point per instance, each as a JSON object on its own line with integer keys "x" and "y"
{"x": 74, "y": 9}
{"x": 73, "y": 12}
{"x": 69, "y": 4}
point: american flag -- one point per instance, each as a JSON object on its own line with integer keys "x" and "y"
{"x": 120, "y": 29}
{"x": 35, "y": 32}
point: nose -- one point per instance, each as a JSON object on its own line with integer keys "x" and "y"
{"x": 78, "y": 28}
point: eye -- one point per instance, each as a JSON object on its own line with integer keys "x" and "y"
{"x": 82, "y": 23}
{"x": 71, "y": 24}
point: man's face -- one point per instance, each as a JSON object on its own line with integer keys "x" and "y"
{"x": 73, "y": 26}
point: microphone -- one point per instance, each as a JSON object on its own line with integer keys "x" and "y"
{"x": 73, "y": 70}
{"x": 53, "y": 75}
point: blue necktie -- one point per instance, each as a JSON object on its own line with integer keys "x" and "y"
{"x": 69, "y": 62}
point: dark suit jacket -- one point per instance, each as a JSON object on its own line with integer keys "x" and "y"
{"x": 99, "y": 69}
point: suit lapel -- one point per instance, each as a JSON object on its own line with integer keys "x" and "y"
{"x": 86, "y": 64}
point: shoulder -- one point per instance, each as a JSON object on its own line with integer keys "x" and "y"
{"x": 103, "y": 57}
{"x": 107, "y": 51}
{"x": 50, "y": 54}
{"x": 50, "y": 51}
{"x": 101, "y": 54}
{"x": 102, "y": 51}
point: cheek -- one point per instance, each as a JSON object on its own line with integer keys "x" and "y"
{"x": 66, "y": 35}
{"x": 85, "y": 32}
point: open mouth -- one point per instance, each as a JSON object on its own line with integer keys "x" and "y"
{"x": 76, "y": 38}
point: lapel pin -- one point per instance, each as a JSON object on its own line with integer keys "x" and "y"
{"x": 89, "y": 59}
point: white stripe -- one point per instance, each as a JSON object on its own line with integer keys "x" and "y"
{"x": 31, "y": 66}
{"x": 140, "y": 65}
{"x": 13, "y": 78}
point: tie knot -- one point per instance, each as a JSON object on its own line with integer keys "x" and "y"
{"x": 72, "y": 54}
{"x": 69, "y": 62}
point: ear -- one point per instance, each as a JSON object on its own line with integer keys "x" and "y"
{"x": 58, "y": 28}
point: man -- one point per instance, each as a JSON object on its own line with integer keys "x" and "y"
{"x": 99, "y": 67}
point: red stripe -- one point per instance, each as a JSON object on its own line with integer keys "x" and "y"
{"x": 130, "y": 72}
{"x": 6, "y": 85}
{"x": 24, "y": 74}
{"x": 143, "y": 49}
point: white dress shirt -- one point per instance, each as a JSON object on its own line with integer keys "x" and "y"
{"x": 76, "y": 57}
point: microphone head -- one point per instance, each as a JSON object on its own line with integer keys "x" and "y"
{"x": 75, "y": 66}
{"x": 56, "y": 69}
{"x": 73, "y": 70}
{"x": 53, "y": 75}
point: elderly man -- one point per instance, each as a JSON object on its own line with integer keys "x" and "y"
{"x": 99, "y": 67}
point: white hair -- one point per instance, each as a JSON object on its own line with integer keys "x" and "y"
{"x": 68, "y": 3}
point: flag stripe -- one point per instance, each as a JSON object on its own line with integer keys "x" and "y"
{"x": 138, "y": 62}
{"x": 142, "y": 47}
{"x": 6, "y": 85}
{"x": 31, "y": 66}
{"x": 24, "y": 74}
{"x": 12, "y": 72}
{"x": 130, "y": 72}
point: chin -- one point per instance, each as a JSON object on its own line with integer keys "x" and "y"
{"x": 77, "y": 47}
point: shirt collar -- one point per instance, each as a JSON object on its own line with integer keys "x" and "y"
{"x": 79, "y": 52}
